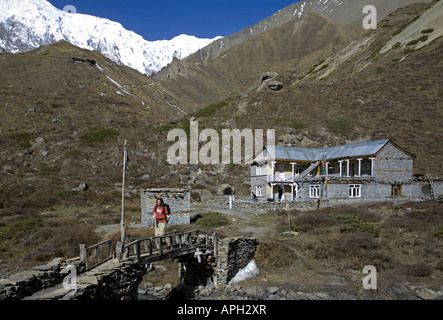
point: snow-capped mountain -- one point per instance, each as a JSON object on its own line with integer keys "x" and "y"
{"x": 28, "y": 24}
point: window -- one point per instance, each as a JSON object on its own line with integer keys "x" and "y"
{"x": 299, "y": 169}
{"x": 314, "y": 192}
{"x": 355, "y": 191}
{"x": 396, "y": 190}
{"x": 366, "y": 167}
{"x": 331, "y": 169}
{"x": 258, "y": 191}
{"x": 259, "y": 170}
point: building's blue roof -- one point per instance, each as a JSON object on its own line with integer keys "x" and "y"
{"x": 358, "y": 149}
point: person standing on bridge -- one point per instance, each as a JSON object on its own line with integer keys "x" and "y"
{"x": 160, "y": 218}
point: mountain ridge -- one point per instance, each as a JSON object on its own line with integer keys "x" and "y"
{"x": 328, "y": 8}
{"x": 27, "y": 26}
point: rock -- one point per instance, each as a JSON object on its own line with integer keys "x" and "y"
{"x": 43, "y": 268}
{"x": 272, "y": 290}
{"x": 201, "y": 195}
{"x": 225, "y": 190}
{"x": 263, "y": 80}
{"x": 145, "y": 177}
{"x": 40, "y": 140}
{"x": 205, "y": 292}
{"x": 427, "y": 294}
{"x": 168, "y": 286}
{"x": 275, "y": 85}
{"x": 322, "y": 295}
{"x": 219, "y": 286}
{"x": 82, "y": 187}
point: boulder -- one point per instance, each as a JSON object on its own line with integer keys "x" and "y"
{"x": 201, "y": 195}
{"x": 275, "y": 85}
{"x": 225, "y": 190}
{"x": 82, "y": 187}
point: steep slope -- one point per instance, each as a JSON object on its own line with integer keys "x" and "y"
{"x": 342, "y": 12}
{"x": 65, "y": 119}
{"x": 28, "y": 24}
{"x": 361, "y": 92}
{"x": 280, "y": 49}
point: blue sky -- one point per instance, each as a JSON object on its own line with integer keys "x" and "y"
{"x": 165, "y": 19}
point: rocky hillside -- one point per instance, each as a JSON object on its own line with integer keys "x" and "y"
{"x": 66, "y": 112}
{"x": 343, "y": 12}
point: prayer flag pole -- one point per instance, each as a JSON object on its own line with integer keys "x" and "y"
{"x": 122, "y": 223}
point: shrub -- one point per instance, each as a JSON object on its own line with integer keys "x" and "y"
{"x": 427, "y": 31}
{"x": 439, "y": 231}
{"x": 273, "y": 255}
{"x": 413, "y": 42}
{"x": 417, "y": 270}
{"x": 379, "y": 70}
{"x": 23, "y": 138}
{"x": 212, "y": 220}
{"x": 362, "y": 227}
{"x": 298, "y": 125}
{"x": 423, "y": 38}
{"x": 211, "y": 109}
{"x": 340, "y": 126}
{"x": 98, "y": 135}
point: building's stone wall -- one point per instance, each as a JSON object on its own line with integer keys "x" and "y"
{"x": 179, "y": 201}
{"x": 392, "y": 165}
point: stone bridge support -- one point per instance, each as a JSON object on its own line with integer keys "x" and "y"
{"x": 232, "y": 255}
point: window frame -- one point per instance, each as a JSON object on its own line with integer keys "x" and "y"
{"x": 354, "y": 191}
{"x": 314, "y": 191}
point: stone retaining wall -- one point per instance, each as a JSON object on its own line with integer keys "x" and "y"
{"x": 233, "y": 254}
{"x": 179, "y": 201}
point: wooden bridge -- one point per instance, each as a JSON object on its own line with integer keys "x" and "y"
{"x": 149, "y": 249}
{"x": 112, "y": 270}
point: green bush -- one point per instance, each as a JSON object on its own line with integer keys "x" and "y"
{"x": 98, "y": 135}
{"x": 413, "y": 42}
{"x": 423, "y": 38}
{"x": 379, "y": 70}
{"x": 212, "y": 220}
{"x": 427, "y": 31}
{"x": 341, "y": 126}
{"x": 362, "y": 227}
{"x": 298, "y": 125}
{"x": 23, "y": 138}
{"x": 439, "y": 231}
{"x": 211, "y": 109}
{"x": 27, "y": 224}
{"x": 66, "y": 193}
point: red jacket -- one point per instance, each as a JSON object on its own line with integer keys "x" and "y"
{"x": 160, "y": 213}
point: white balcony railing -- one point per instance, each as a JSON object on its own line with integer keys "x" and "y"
{"x": 281, "y": 178}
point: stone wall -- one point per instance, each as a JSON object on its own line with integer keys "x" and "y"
{"x": 233, "y": 254}
{"x": 179, "y": 201}
{"x": 26, "y": 283}
{"x": 392, "y": 165}
{"x": 120, "y": 282}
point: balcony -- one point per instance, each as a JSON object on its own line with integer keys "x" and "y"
{"x": 281, "y": 178}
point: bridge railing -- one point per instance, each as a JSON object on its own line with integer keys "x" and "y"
{"x": 171, "y": 241}
{"x": 97, "y": 254}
